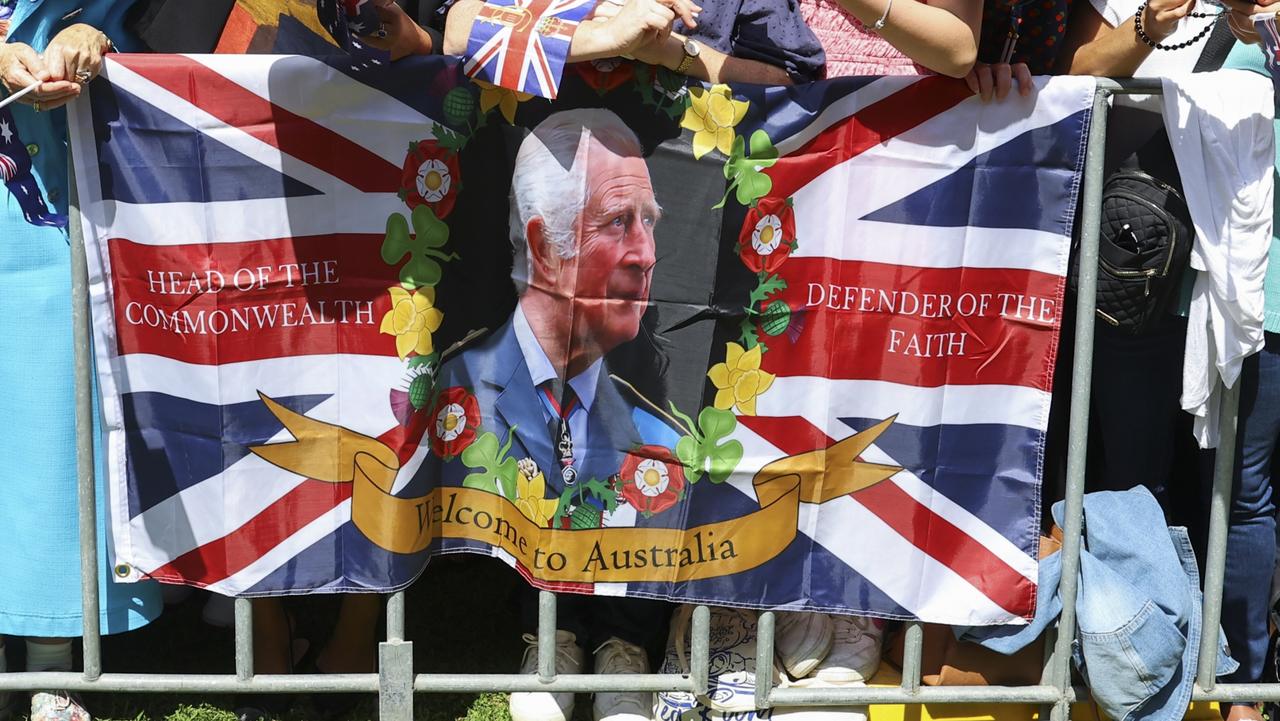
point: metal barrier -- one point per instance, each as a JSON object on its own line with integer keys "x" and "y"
{"x": 395, "y": 683}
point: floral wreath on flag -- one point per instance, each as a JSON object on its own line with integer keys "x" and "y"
{"x": 652, "y": 479}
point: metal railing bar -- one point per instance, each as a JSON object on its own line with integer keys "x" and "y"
{"x": 1081, "y": 380}
{"x": 913, "y": 650}
{"x": 546, "y": 637}
{"x": 1238, "y": 692}
{"x": 1216, "y": 562}
{"x": 864, "y": 695}
{"x": 764, "y": 659}
{"x": 80, "y": 321}
{"x": 700, "y": 649}
{"x": 192, "y": 683}
{"x": 395, "y": 616}
{"x": 244, "y": 638}
{"x": 571, "y": 683}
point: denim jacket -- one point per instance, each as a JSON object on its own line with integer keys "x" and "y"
{"x": 1138, "y": 608}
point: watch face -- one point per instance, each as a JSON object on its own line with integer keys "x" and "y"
{"x": 692, "y": 48}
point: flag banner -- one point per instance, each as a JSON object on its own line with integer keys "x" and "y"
{"x": 750, "y": 346}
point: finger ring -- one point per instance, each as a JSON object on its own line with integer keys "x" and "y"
{"x": 36, "y": 106}
{"x": 83, "y": 76}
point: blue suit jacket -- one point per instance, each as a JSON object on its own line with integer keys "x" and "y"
{"x": 496, "y": 373}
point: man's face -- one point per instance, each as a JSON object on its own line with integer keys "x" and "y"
{"x": 611, "y": 273}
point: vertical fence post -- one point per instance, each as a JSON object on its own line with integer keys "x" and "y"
{"x": 244, "y": 639}
{"x": 913, "y": 649}
{"x": 700, "y": 649}
{"x": 80, "y": 328}
{"x": 395, "y": 616}
{"x": 547, "y": 636}
{"x": 1215, "y": 563}
{"x": 1081, "y": 378}
{"x": 764, "y": 659}
{"x": 395, "y": 666}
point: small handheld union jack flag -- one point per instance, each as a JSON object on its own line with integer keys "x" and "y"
{"x": 523, "y": 44}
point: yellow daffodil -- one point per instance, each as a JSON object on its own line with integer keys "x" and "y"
{"x": 412, "y": 319}
{"x": 531, "y": 489}
{"x": 504, "y": 99}
{"x": 739, "y": 380}
{"x": 712, "y": 116}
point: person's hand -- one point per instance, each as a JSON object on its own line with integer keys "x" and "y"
{"x": 996, "y": 80}
{"x": 400, "y": 36}
{"x": 20, "y": 66}
{"x": 1161, "y": 17}
{"x": 624, "y": 30}
{"x": 1240, "y": 22}
{"x": 686, "y": 9}
{"x": 1243, "y": 28}
{"x": 76, "y": 53}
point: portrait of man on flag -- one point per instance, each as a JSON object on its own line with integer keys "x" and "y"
{"x": 582, "y": 221}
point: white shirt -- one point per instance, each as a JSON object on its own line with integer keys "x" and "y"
{"x": 1159, "y": 63}
{"x": 541, "y": 370}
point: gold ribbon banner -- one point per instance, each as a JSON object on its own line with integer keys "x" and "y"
{"x": 327, "y": 452}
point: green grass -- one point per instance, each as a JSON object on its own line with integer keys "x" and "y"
{"x": 461, "y": 616}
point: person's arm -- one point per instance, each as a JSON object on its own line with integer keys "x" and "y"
{"x": 711, "y": 65}
{"x": 403, "y": 36}
{"x": 636, "y": 24}
{"x": 1092, "y": 47}
{"x": 942, "y": 36}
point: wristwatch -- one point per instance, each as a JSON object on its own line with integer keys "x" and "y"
{"x": 691, "y": 50}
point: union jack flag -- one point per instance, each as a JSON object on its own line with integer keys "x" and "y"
{"x": 523, "y": 45}
{"x": 236, "y": 230}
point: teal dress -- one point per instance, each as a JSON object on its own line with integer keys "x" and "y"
{"x": 39, "y": 529}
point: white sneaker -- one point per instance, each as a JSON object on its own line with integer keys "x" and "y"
{"x": 731, "y": 682}
{"x": 855, "y": 653}
{"x": 541, "y": 705}
{"x": 802, "y": 641}
{"x": 618, "y": 656}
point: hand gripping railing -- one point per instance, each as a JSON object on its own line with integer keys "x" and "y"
{"x": 396, "y": 684}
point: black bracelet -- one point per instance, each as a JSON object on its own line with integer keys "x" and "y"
{"x": 1142, "y": 35}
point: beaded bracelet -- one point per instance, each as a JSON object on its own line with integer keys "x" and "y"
{"x": 1142, "y": 35}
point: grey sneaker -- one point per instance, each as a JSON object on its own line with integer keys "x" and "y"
{"x": 542, "y": 705}
{"x": 618, "y": 656}
{"x": 803, "y": 640}
{"x": 854, "y": 656}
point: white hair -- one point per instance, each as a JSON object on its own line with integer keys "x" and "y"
{"x": 550, "y": 179}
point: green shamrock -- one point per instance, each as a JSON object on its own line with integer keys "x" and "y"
{"x": 429, "y": 234}
{"x": 702, "y": 452}
{"x": 496, "y": 471}
{"x": 743, "y": 170}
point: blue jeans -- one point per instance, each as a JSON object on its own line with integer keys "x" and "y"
{"x": 1251, "y": 535}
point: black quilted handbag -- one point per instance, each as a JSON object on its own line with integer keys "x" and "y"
{"x": 1143, "y": 248}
